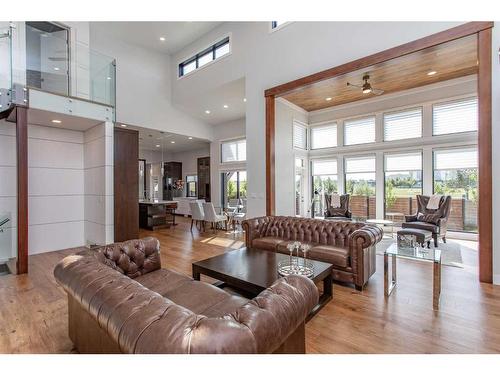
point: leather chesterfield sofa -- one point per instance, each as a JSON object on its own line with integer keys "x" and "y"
{"x": 349, "y": 246}
{"x": 120, "y": 300}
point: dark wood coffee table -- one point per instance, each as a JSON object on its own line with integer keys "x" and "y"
{"x": 254, "y": 270}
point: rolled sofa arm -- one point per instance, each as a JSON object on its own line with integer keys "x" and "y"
{"x": 360, "y": 239}
{"x": 140, "y": 320}
{"x": 254, "y": 228}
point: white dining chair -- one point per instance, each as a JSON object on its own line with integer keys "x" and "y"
{"x": 197, "y": 215}
{"x": 212, "y": 217}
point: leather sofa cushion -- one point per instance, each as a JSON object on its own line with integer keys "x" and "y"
{"x": 421, "y": 225}
{"x": 331, "y": 254}
{"x": 266, "y": 243}
{"x": 199, "y": 297}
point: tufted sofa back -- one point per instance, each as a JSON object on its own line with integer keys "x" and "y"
{"x": 325, "y": 232}
{"x": 132, "y": 258}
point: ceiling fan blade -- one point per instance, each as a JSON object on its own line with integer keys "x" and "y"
{"x": 377, "y": 91}
{"x": 354, "y": 86}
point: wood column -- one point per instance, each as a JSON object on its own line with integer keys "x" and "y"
{"x": 485, "y": 204}
{"x": 22, "y": 189}
{"x": 270, "y": 156}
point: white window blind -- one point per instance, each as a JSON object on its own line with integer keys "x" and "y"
{"x": 324, "y": 167}
{"x": 360, "y": 164}
{"x": 455, "y": 117}
{"x": 403, "y": 162}
{"x": 455, "y": 158}
{"x": 299, "y": 136}
{"x": 324, "y": 136}
{"x": 359, "y": 131}
{"x": 233, "y": 151}
{"x": 403, "y": 125}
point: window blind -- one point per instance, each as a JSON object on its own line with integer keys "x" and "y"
{"x": 324, "y": 167}
{"x": 299, "y": 136}
{"x": 359, "y": 131}
{"x": 234, "y": 150}
{"x": 455, "y": 158}
{"x": 324, "y": 136}
{"x": 403, "y": 125}
{"x": 455, "y": 117}
{"x": 403, "y": 162}
{"x": 360, "y": 164}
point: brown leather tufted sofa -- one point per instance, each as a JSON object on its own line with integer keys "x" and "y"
{"x": 120, "y": 300}
{"x": 349, "y": 246}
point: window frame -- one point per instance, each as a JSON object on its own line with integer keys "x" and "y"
{"x": 225, "y": 40}
{"x": 231, "y": 140}
{"x": 274, "y": 26}
{"x": 344, "y": 127}
{"x": 306, "y": 128}
{"x": 402, "y": 110}
{"x": 195, "y": 181}
{"x": 324, "y": 125}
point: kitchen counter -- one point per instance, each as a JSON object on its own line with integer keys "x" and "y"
{"x": 156, "y": 202}
{"x": 156, "y": 214}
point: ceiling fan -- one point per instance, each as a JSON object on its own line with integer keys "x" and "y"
{"x": 366, "y": 87}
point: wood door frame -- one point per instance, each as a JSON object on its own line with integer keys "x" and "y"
{"x": 484, "y": 34}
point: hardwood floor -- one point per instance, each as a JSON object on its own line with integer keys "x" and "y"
{"x": 33, "y": 309}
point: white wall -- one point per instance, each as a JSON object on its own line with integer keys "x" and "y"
{"x": 286, "y": 114}
{"x": 222, "y": 132}
{"x": 98, "y": 184}
{"x": 55, "y": 189}
{"x": 143, "y": 95}
{"x": 8, "y": 190}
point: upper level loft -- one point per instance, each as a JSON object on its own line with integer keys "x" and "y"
{"x": 50, "y": 66}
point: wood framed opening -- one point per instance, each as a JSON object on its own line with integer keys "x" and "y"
{"x": 484, "y": 37}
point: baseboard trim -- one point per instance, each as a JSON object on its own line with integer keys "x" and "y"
{"x": 496, "y": 279}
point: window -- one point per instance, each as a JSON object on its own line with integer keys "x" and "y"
{"x": 324, "y": 136}
{"x": 324, "y": 181}
{"x": 191, "y": 182}
{"x": 234, "y": 189}
{"x": 234, "y": 151}
{"x": 359, "y": 131}
{"x": 403, "y": 125}
{"x": 206, "y": 56}
{"x": 403, "y": 181}
{"x": 455, "y": 174}
{"x": 299, "y": 136}
{"x": 300, "y": 182}
{"x": 277, "y": 24}
{"x": 455, "y": 117}
{"x": 360, "y": 185}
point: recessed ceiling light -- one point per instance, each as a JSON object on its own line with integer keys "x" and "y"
{"x": 56, "y": 121}
{"x": 123, "y": 125}
{"x": 328, "y": 99}
{"x": 431, "y": 73}
{"x": 157, "y": 145}
{"x": 207, "y": 112}
{"x": 245, "y": 100}
{"x": 172, "y": 141}
{"x": 56, "y": 68}
{"x": 190, "y": 137}
{"x": 225, "y": 106}
{"x": 162, "y": 38}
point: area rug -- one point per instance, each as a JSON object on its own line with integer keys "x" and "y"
{"x": 451, "y": 254}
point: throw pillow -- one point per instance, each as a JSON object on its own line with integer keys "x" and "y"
{"x": 428, "y": 218}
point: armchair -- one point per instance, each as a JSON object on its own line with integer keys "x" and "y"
{"x": 342, "y": 211}
{"x": 434, "y": 221}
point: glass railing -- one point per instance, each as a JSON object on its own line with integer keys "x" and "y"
{"x": 5, "y": 66}
{"x": 48, "y": 60}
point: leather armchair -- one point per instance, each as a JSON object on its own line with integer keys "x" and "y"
{"x": 349, "y": 246}
{"x": 434, "y": 221}
{"x": 120, "y": 300}
{"x": 342, "y": 211}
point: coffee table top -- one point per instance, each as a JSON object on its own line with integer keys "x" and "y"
{"x": 433, "y": 254}
{"x": 253, "y": 266}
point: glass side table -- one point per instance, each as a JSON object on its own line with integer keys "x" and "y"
{"x": 430, "y": 255}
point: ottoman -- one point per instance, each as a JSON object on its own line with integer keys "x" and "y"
{"x": 422, "y": 236}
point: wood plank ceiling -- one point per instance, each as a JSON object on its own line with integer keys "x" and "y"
{"x": 449, "y": 60}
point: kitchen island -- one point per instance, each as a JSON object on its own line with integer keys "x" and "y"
{"x": 156, "y": 214}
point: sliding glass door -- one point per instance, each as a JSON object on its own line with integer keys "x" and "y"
{"x": 324, "y": 181}
{"x": 360, "y": 185}
{"x": 234, "y": 188}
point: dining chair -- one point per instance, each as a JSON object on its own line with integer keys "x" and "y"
{"x": 197, "y": 215}
{"x": 212, "y": 217}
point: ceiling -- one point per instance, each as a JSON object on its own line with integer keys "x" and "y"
{"x": 147, "y": 34}
{"x": 231, "y": 94}
{"x": 449, "y": 60}
{"x": 148, "y": 139}
{"x": 44, "y": 118}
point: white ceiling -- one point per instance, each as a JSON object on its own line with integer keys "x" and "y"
{"x": 231, "y": 94}
{"x": 147, "y": 34}
{"x": 44, "y": 118}
{"x": 148, "y": 139}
